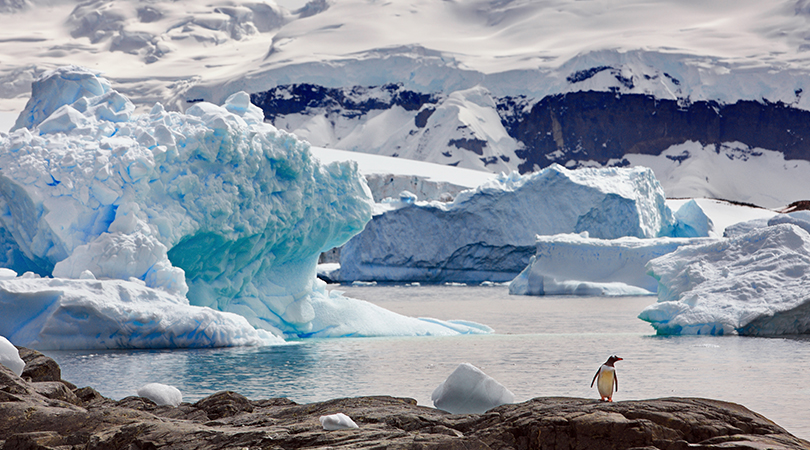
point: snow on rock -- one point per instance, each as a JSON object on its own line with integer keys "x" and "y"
{"x": 337, "y": 421}
{"x": 751, "y": 284}
{"x": 161, "y": 394}
{"x": 10, "y": 356}
{"x": 468, "y": 390}
{"x": 461, "y": 129}
{"x": 731, "y": 170}
{"x": 211, "y": 206}
{"x": 488, "y": 233}
{"x": 574, "y": 264}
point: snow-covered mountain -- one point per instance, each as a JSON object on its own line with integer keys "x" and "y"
{"x": 482, "y": 84}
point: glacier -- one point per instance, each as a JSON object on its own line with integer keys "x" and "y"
{"x": 210, "y": 213}
{"x": 754, "y": 283}
{"x": 488, "y": 233}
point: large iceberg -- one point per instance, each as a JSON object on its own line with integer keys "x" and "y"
{"x": 488, "y": 233}
{"x": 751, "y": 284}
{"x": 575, "y": 264}
{"x": 210, "y": 207}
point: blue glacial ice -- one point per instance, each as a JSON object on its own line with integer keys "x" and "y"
{"x": 211, "y": 208}
{"x": 751, "y": 284}
{"x": 488, "y": 233}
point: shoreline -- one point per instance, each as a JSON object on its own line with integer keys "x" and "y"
{"x": 39, "y": 410}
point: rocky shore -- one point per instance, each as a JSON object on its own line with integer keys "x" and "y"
{"x": 41, "y": 411}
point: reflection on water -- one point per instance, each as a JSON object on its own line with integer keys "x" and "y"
{"x": 543, "y": 346}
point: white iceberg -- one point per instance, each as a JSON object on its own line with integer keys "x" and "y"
{"x": 752, "y": 284}
{"x": 66, "y": 314}
{"x": 488, "y": 233}
{"x": 574, "y": 264}
{"x": 468, "y": 390}
{"x": 10, "y": 356}
{"x": 798, "y": 218}
{"x": 161, "y": 394}
{"x": 209, "y": 208}
{"x": 337, "y": 421}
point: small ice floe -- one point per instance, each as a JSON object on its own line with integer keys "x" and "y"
{"x": 10, "y": 356}
{"x": 468, "y": 390}
{"x": 364, "y": 283}
{"x": 337, "y": 421}
{"x": 161, "y": 394}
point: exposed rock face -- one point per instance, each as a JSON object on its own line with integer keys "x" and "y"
{"x": 32, "y": 420}
{"x": 583, "y": 126}
{"x": 600, "y": 126}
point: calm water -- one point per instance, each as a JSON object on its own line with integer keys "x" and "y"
{"x": 542, "y": 346}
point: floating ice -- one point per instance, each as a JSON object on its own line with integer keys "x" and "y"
{"x": 212, "y": 207}
{"x": 692, "y": 221}
{"x": 62, "y": 314}
{"x": 488, "y": 233}
{"x": 10, "y": 356}
{"x": 161, "y": 394}
{"x": 579, "y": 265}
{"x": 751, "y": 284}
{"x": 468, "y": 390}
{"x": 337, "y": 421}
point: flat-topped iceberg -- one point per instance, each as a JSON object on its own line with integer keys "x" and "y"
{"x": 566, "y": 264}
{"x": 751, "y": 284}
{"x": 488, "y": 233}
{"x": 211, "y": 207}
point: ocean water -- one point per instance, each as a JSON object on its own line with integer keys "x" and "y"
{"x": 542, "y": 346}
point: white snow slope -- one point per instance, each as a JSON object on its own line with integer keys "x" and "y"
{"x": 719, "y": 50}
{"x": 180, "y": 51}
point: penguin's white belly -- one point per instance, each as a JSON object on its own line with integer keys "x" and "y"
{"x": 605, "y": 381}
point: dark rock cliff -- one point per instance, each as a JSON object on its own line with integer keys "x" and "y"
{"x": 600, "y": 126}
{"x": 39, "y": 413}
{"x": 350, "y": 102}
{"x": 579, "y": 126}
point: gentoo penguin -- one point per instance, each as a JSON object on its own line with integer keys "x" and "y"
{"x": 605, "y": 378}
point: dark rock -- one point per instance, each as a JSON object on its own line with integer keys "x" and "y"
{"x": 349, "y": 102}
{"x": 56, "y": 390}
{"x": 600, "y": 126}
{"x": 591, "y": 126}
{"x": 32, "y": 420}
{"x": 39, "y": 367}
{"x": 224, "y": 404}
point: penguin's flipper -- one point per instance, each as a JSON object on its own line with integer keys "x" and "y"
{"x": 596, "y": 376}
{"x": 616, "y": 380}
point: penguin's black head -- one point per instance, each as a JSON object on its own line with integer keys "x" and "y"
{"x": 613, "y": 359}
